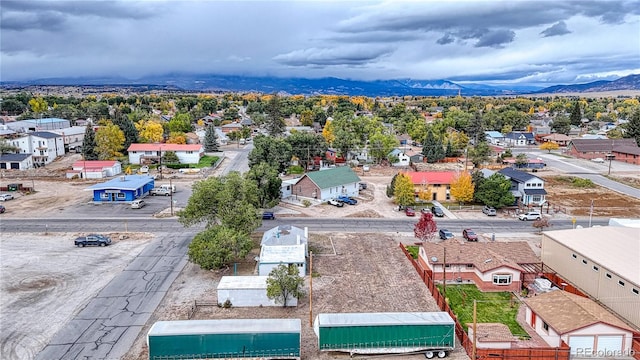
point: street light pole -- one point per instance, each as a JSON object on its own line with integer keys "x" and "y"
{"x": 171, "y": 194}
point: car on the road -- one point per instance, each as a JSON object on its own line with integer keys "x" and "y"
{"x": 530, "y": 215}
{"x": 2, "y": 209}
{"x": 489, "y": 211}
{"x": 435, "y": 210}
{"x": 268, "y": 215}
{"x": 409, "y": 211}
{"x": 5, "y": 197}
{"x": 92, "y": 240}
{"x": 160, "y": 192}
{"x": 347, "y": 199}
{"x": 598, "y": 160}
{"x": 335, "y": 202}
{"x": 445, "y": 234}
{"x": 138, "y": 204}
{"x": 470, "y": 235}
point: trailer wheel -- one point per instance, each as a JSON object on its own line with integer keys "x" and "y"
{"x": 429, "y": 354}
{"x": 442, "y": 354}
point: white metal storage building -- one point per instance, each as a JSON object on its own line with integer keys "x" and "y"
{"x": 247, "y": 291}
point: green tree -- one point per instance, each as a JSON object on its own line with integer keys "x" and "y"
{"x": 268, "y": 183}
{"x": 181, "y": 122}
{"x": 476, "y": 127}
{"x": 284, "y": 282}
{"x": 274, "y": 151}
{"x": 576, "y": 115}
{"x": 404, "y": 191}
{"x": 6, "y": 148}
{"x": 219, "y": 246}
{"x": 632, "y": 128}
{"x": 381, "y": 144}
{"x": 89, "y": 144}
{"x": 306, "y": 146}
{"x": 480, "y": 153}
{"x": 495, "y": 191}
{"x": 128, "y": 128}
{"x": 12, "y": 106}
{"x": 228, "y": 200}
{"x": 109, "y": 141}
{"x": 170, "y": 157}
{"x": 561, "y": 125}
{"x": 274, "y": 122}
{"x": 521, "y": 160}
{"x": 210, "y": 139}
{"x": 432, "y": 148}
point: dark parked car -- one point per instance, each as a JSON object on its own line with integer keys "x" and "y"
{"x": 409, "y": 211}
{"x": 268, "y": 215}
{"x": 445, "y": 234}
{"x": 2, "y": 209}
{"x": 92, "y": 239}
{"x": 469, "y": 235}
{"x": 437, "y": 211}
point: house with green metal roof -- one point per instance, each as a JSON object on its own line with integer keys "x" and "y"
{"x": 327, "y": 184}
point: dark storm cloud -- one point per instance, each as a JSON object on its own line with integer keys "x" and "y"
{"x": 559, "y": 28}
{"x": 375, "y": 37}
{"x": 53, "y": 15}
{"x": 349, "y": 56}
{"x": 496, "y": 38}
{"x": 446, "y": 39}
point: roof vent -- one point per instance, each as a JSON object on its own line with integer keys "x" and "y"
{"x": 434, "y": 259}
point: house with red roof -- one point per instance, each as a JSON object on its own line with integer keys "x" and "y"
{"x": 187, "y": 153}
{"x": 95, "y": 169}
{"x": 437, "y": 183}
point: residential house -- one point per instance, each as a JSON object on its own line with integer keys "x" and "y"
{"x": 95, "y": 169}
{"x": 247, "y": 291}
{"x": 560, "y": 139}
{"x": 273, "y": 256}
{"x": 286, "y": 188}
{"x": 327, "y": 184}
{"x": 44, "y": 146}
{"x": 602, "y": 262}
{"x": 333, "y": 156}
{"x": 73, "y": 137}
{"x": 628, "y": 154}
{"x": 598, "y": 148}
{"x": 286, "y": 235}
{"x": 495, "y": 138}
{"x": 122, "y": 189}
{"x": 231, "y": 127}
{"x": 187, "y": 153}
{"x": 589, "y": 329}
{"x": 210, "y": 119}
{"x": 401, "y": 158}
{"x": 528, "y": 189}
{"x": 437, "y": 183}
{"x": 16, "y": 161}
{"x": 519, "y": 138}
{"x": 492, "y": 266}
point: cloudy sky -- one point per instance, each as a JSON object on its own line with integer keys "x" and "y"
{"x": 532, "y": 42}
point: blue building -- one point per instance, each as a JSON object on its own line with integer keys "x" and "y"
{"x": 123, "y": 188}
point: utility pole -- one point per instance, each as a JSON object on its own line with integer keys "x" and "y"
{"x": 475, "y": 333}
{"x": 171, "y": 194}
{"x": 311, "y": 288}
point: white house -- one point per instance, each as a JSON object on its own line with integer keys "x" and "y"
{"x": 95, "y": 169}
{"x": 73, "y": 137}
{"x": 286, "y": 235}
{"x": 272, "y": 256}
{"x": 247, "y": 291}
{"x": 327, "y": 184}
{"x": 16, "y": 161}
{"x": 525, "y": 187}
{"x": 286, "y": 188}
{"x": 402, "y": 159}
{"x": 187, "y": 153}
{"x": 589, "y": 329}
{"x": 44, "y": 146}
{"x": 495, "y": 138}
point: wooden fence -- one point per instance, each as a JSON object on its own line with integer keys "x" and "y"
{"x": 196, "y": 305}
{"x": 538, "y": 353}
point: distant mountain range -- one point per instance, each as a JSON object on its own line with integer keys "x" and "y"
{"x": 330, "y": 85}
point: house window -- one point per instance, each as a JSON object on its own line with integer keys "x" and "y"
{"x": 595, "y": 268}
{"x": 447, "y": 266}
{"x": 121, "y": 195}
{"x": 189, "y": 152}
{"x": 635, "y": 291}
{"x": 545, "y": 326}
{"x": 503, "y": 279}
{"x": 574, "y": 256}
{"x": 584, "y": 261}
{"x": 448, "y": 196}
{"x": 470, "y": 265}
{"x": 104, "y": 196}
{"x": 608, "y": 275}
{"x": 620, "y": 282}
{"x": 537, "y": 198}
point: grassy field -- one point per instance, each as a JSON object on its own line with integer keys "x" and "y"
{"x": 492, "y": 307}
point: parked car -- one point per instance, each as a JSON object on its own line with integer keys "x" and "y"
{"x": 335, "y": 202}
{"x": 363, "y": 185}
{"x": 469, "y": 235}
{"x": 268, "y": 215}
{"x": 92, "y": 239}
{"x": 138, "y": 204}
{"x": 489, "y": 211}
{"x": 144, "y": 169}
{"x": 347, "y": 199}
{"x": 5, "y": 197}
{"x": 409, "y": 211}
{"x": 598, "y": 160}
{"x": 530, "y": 215}
{"x": 435, "y": 210}
{"x": 2, "y": 209}
{"x": 445, "y": 234}
{"x": 160, "y": 192}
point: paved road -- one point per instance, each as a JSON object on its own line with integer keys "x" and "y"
{"x": 108, "y": 326}
{"x": 359, "y": 225}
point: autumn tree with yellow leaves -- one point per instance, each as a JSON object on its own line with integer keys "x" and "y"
{"x": 327, "y": 132}
{"x": 149, "y": 131}
{"x": 549, "y": 146}
{"x": 109, "y": 141}
{"x": 404, "y": 190}
{"x": 462, "y": 187}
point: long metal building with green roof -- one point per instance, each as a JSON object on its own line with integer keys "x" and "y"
{"x": 327, "y": 184}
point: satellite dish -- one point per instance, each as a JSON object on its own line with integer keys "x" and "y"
{"x": 434, "y": 259}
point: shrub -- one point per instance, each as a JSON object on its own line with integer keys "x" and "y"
{"x": 413, "y": 250}
{"x": 306, "y": 203}
{"x": 296, "y": 169}
{"x": 582, "y": 183}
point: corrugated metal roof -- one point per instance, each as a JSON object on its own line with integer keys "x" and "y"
{"x": 226, "y": 326}
{"x": 130, "y": 182}
{"x": 332, "y": 177}
{"x": 282, "y": 253}
{"x": 243, "y": 282}
{"x": 616, "y": 248}
{"x": 387, "y": 318}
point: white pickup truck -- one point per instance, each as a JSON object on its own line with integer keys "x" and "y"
{"x": 160, "y": 192}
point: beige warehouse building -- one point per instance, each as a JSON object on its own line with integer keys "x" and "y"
{"x": 603, "y": 262}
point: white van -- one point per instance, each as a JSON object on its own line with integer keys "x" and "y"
{"x": 168, "y": 187}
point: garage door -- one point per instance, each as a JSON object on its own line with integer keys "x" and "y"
{"x": 610, "y": 344}
{"x": 582, "y": 344}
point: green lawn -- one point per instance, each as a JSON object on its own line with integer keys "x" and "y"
{"x": 492, "y": 307}
{"x": 207, "y": 161}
